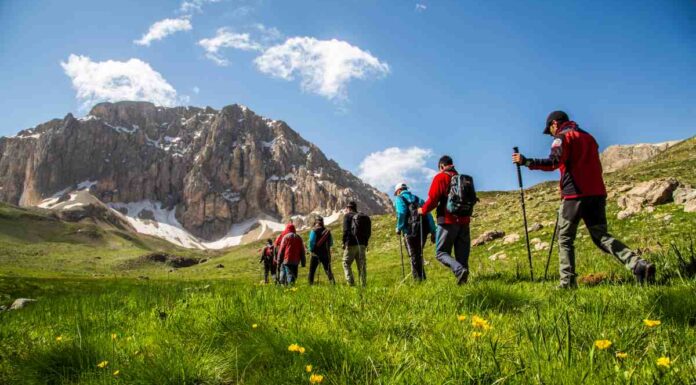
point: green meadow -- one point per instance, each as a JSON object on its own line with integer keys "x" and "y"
{"x": 105, "y": 315}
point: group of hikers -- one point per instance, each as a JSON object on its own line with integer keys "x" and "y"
{"x": 452, "y": 195}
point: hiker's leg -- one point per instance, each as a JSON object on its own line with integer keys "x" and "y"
{"x": 443, "y": 248}
{"x": 362, "y": 264}
{"x": 273, "y": 271}
{"x": 567, "y": 229}
{"x": 326, "y": 263}
{"x": 462, "y": 246}
{"x": 283, "y": 274}
{"x": 348, "y": 257}
{"x": 266, "y": 272}
{"x": 292, "y": 274}
{"x": 313, "y": 264}
{"x": 595, "y": 217}
{"x": 415, "y": 254}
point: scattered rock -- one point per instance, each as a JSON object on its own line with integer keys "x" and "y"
{"x": 512, "y": 238}
{"x": 171, "y": 260}
{"x": 3, "y": 307}
{"x": 541, "y": 246}
{"x": 487, "y": 237}
{"x": 667, "y": 218}
{"x": 690, "y": 207}
{"x": 220, "y": 266}
{"x": 684, "y": 194}
{"x": 650, "y": 193}
{"x": 143, "y": 277}
{"x": 21, "y": 303}
{"x": 536, "y": 227}
{"x": 498, "y": 256}
{"x": 534, "y": 241}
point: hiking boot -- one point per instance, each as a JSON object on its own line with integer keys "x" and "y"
{"x": 463, "y": 277}
{"x": 644, "y": 272}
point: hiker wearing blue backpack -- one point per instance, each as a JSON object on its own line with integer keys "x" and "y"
{"x": 453, "y": 197}
{"x": 413, "y": 227}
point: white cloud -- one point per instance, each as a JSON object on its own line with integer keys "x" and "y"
{"x": 196, "y": 90}
{"x": 190, "y": 6}
{"x": 224, "y": 38}
{"x": 325, "y": 67}
{"x": 164, "y": 28}
{"x": 118, "y": 80}
{"x": 421, "y": 7}
{"x": 384, "y": 169}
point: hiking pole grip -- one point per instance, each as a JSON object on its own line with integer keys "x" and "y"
{"x": 516, "y": 150}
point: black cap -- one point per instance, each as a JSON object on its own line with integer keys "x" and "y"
{"x": 352, "y": 205}
{"x": 559, "y": 116}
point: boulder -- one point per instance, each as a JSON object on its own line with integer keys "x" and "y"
{"x": 536, "y": 227}
{"x": 534, "y": 241}
{"x": 21, "y": 303}
{"x": 650, "y": 193}
{"x": 498, "y": 256}
{"x": 512, "y": 238}
{"x": 685, "y": 195}
{"x": 690, "y": 207}
{"x": 487, "y": 237}
{"x": 541, "y": 246}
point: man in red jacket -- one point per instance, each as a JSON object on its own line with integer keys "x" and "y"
{"x": 576, "y": 154}
{"x": 452, "y": 230}
{"x": 291, "y": 253}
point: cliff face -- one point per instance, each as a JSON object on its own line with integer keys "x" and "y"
{"x": 619, "y": 156}
{"x": 209, "y": 168}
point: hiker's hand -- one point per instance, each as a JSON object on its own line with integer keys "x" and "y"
{"x": 432, "y": 238}
{"x": 518, "y": 158}
{"x": 398, "y": 232}
{"x": 420, "y": 211}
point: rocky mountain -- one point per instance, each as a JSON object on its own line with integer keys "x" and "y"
{"x": 197, "y": 176}
{"x": 620, "y": 156}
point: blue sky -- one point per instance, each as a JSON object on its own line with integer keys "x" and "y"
{"x": 466, "y": 78}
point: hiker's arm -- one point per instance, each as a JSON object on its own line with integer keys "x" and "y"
{"x": 555, "y": 159}
{"x": 330, "y": 240}
{"x": 303, "y": 258}
{"x": 346, "y": 230}
{"x": 312, "y": 240}
{"x": 400, "y": 208}
{"x": 437, "y": 189}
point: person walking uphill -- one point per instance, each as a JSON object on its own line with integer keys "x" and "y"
{"x": 452, "y": 229}
{"x": 408, "y": 223}
{"x": 356, "y": 234}
{"x": 576, "y": 154}
{"x": 291, "y": 253}
{"x": 320, "y": 242}
{"x": 269, "y": 268}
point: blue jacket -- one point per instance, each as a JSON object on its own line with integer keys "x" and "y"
{"x": 314, "y": 238}
{"x": 402, "y": 212}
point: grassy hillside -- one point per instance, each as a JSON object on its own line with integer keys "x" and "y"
{"x": 196, "y": 325}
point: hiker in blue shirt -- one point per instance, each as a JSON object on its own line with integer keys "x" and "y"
{"x": 408, "y": 224}
{"x": 320, "y": 242}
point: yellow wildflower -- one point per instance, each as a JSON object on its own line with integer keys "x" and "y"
{"x": 302, "y": 350}
{"x": 664, "y": 362}
{"x": 621, "y": 355}
{"x": 254, "y": 326}
{"x": 113, "y": 336}
{"x": 117, "y": 372}
{"x": 476, "y": 335}
{"x": 316, "y": 379}
{"x": 602, "y": 344}
{"x": 461, "y": 317}
{"x": 308, "y": 368}
{"x": 294, "y": 348}
{"x": 103, "y": 364}
{"x": 480, "y": 323}
{"x": 652, "y": 323}
{"x": 59, "y": 338}
{"x": 293, "y": 289}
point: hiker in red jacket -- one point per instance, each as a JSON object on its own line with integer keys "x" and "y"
{"x": 576, "y": 154}
{"x": 291, "y": 252}
{"x": 452, "y": 230}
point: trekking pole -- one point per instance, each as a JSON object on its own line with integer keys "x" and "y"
{"x": 553, "y": 240}
{"x": 422, "y": 250}
{"x": 401, "y": 250}
{"x": 524, "y": 215}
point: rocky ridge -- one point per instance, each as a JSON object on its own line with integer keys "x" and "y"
{"x": 204, "y": 171}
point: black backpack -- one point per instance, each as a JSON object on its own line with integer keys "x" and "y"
{"x": 462, "y": 196}
{"x": 361, "y": 227}
{"x": 414, "y": 220}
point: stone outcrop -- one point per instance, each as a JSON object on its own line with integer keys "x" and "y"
{"x": 646, "y": 194}
{"x": 619, "y": 156}
{"x": 487, "y": 237}
{"x": 211, "y": 168}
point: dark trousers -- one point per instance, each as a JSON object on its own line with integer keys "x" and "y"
{"x": 592, "y": 211}
{"x": 288, "y": 274}
{"x": 457, "y": 237}
{"x": 269, "y": 269}
{"x": 414, "y": 246}
{"x": 325, "y": 261}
